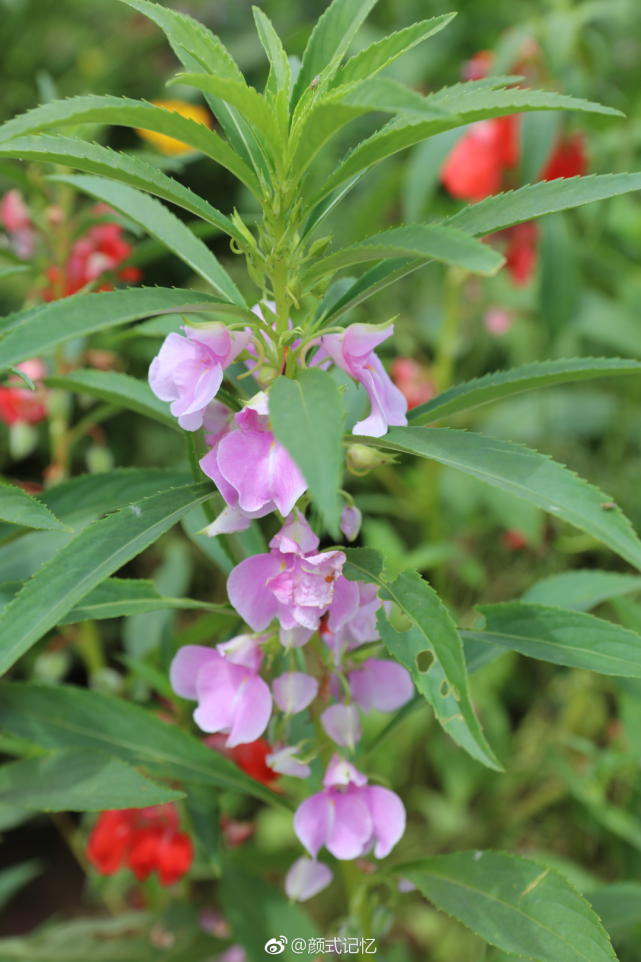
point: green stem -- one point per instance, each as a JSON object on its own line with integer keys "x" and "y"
{"x": 449, "y": 333}
{"x": 193, "y": 456}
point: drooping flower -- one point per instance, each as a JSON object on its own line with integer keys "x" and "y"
{"x": 294, "y": 691}
{"x": 381, "y": 685}
{"x": 306, "y": 878}
{"x": 146, "y": 840}
{"x": 342, "y": 724}
{"x": 167, "y": 145}
{"x": 284, "y": 762}
{"x": 351, "y": 619}
{"x": 351, "y": 520}
{"x": 293, "y": 583}
{"x": 232, "y": 697}
{"x": 413, "y": 381}
{"x": 189, "y": 370}
{"x": 349, "y": 816}
{"x": 475, "y": 167}
{"x": 20, "y": 403}
{"x": 252, "y": 470}
{"x": 353, "y": 352}
{"x": 568, "y": 159}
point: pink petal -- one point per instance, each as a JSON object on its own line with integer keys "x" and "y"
{"x": 209, "y": 464}
{"x": 185, "y": 666}
{"x": 230, "y": 520}
{"x": 360, "y": 340}
{"x": 312, "y": 822}
{"x": 295, "y": 536}
{"x": 388, "y": 403}
{"x": 243, "y": 650}
{"x": 388, "y": 817}
{"x": 243, "y": 460}
{"x": 217, "y": 685}
{"x": 351, "y": 519}
{"x": 345, "y": 603}
{"x": 175, "y": 350}
{"x": 294, "y": 691}
{"x": 295, "y": 637}
{"x": 383, "y": 685}
{"x": 248, "y": 592}
{"x": 286, "y": 482}
{"x": 251, "y": 711}
{"x": 283, "y": 762}
{"x": 306, "y": 878}
{"x": 351, "y": 828}
{"x": 342, "y": 724}
{"x": 341, "y": 772}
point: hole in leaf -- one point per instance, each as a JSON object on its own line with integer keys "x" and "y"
{"x": 444, "y": 688}
{"x": 424, "y": 661}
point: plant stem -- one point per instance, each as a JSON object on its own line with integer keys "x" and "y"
{"x": 448, "y": 335}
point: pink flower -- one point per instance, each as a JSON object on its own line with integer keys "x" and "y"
{"x": 292, "y": 583}
{"x": 353, "y": 351}
{"x": 349, "y": 816}
{"x": 351, "y": 519}
{"x": 294, "y": 691}
{"x": 283, "y": 761}
{"x": 351, "y": 619}
{"x": 189, "y": 370}
{"x": 342, "y": 724}
{"x": 497, "y": 321}
{"x": 232, "y": 697}
{"x": 16, "y": 220}
{"x": 306, "y": 878}
{"x": 382, "y": 685}
{"x": 252, "y": 470}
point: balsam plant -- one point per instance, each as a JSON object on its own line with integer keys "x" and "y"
{"x": 313, "y": 616}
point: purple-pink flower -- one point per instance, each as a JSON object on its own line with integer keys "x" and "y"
{"x": 284, "y": 762}
{"x": 381, "y": 685}
{"x": 349, "y": 817}
{"x": 232, "y": 697}
{"x": 189, "y": 370}
{"x": 294, "y": 691}
{"x": 293, "y": 583}
{"x": 306, "y": 878}
{"x": 342, "y": 724}
{"x": 351, "y": 619}
{"x": 252, "y": 470}
{"x": 353, "y": 351}
{"x": 351, "y": 519}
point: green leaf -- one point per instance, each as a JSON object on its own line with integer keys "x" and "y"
{"x": 570, "y": 638}
{"x": 329, "y": 40}
{"x": 192, "y": 524}
{"x": 518, "y": 905}
{"x": 374, "y": 280}
{"x": 502, "y": 384}
{"x": 18, "y": 507}
{"x": 280, "y": 70}
{"x": 79, "y": 780}
{"x": 424, "y": 241}
{"x": 431, "y": 649}
{"x": 257, "y": 912}
{"x": 119, "y": 389}
{"x": 618, "y": 905}
{"x": 160, "y": 223}
{"x": 6, "y": 272}
{"x": 559, "y": 274}
{"x": 307, "y": 416}
{"x": 204, "y": 813}
{"x": 466, "y": 103}
{"x": 381, "y": 54}
{"x": 39, "y": 330}
{"x": 97, "y": 552}
{"x": 581, "y": 590}
{"x": 14, "y": 878}
{"x": 118, "y": 598}
{"x": 120, "y": 111}
{"x": 64, "y": 717}
{"x": 535, "y": 200}
{"x": 124, "y": 168}
{"x": 525, "y": 473}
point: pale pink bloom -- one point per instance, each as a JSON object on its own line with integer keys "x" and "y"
{"x": 290, "y": 583}
{"x": 294, "y": 691}
{"x": 382, "y": 685}
{"x": 14, "y": 213}
{"x": 295, "y": 637}
{"x": 251, "y": 469}
{"x": 349, "y": 816}
{"x": 232, "y": 698}
{"x": 351, "y": 519}
{"x": 284, "y": 762}
{"x": 235, "y": 953}
{"x": 189, "y": 370}
{"x": 497, "y": 321}
{"x": 342, "y": 724}
{"x": 306, "y": 878}
{"x": 351, "y": 619}
{"x": 353, "y": 351}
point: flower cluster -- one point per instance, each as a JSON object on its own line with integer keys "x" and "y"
{"x": 145, "y": 840}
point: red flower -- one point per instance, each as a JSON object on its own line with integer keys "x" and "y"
{"x": 521, "y": 251}
{"x": 514, "y": 540}
{"x": 249, "y": 757}
{"x": 413, "y": 381}
{"x": 21, "y": 403}
{"x": 569, "y": 159}
{"x": 146, "y": 840}
{"x": 475, "y": 167}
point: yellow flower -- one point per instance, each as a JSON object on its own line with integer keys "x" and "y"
{"x": 167, "y": 145}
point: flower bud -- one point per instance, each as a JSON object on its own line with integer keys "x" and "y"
{"x": 319, "y": 246}
{"x": 351, "y": 519}
{"x": 362, "y": 458}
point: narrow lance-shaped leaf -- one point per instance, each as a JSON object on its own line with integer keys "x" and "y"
{"x": 581, "y": 590}
{"x": 19, "y": 508}
{"x": 373, "y": 281}
{"x": 14, "y": 878}
{"x": 618, "y": 905}
{"x": 119, "y": 598}
{"x": 431, "y": 649}
{"x": 570, "y": 638}
{"x": 38, "y": 330}
{"x": 280, "y": 70}
{"x": 525, "y": 473}
{"x": 307, "y": 418}
{"x": 123, "y": 112}
{"x": 65, "y": 717}
{"x": 330, "y": 38}
{"x": 119, "y": 389}
{"x": 503, "y": 384}
{"x": 85, "y": 562}
{"x": 520, "y": 906}
{"x": 422, "y": 241}
{"x": 124, "y": 168}
{"x": 159, "y": 222}
{"x": 381, "y": 54}
{"x": 78, "y": 780}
